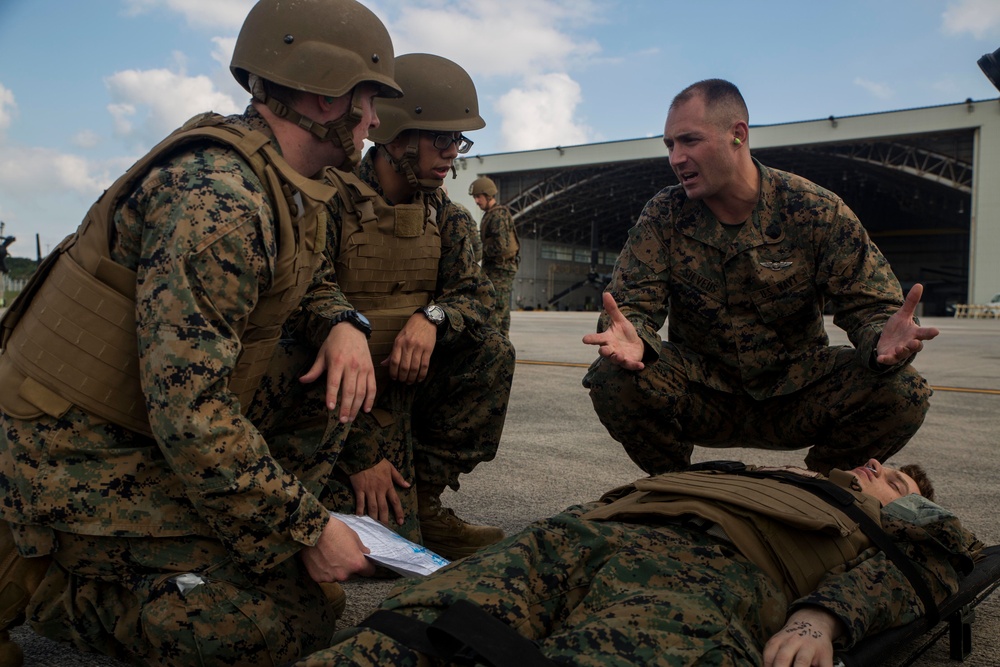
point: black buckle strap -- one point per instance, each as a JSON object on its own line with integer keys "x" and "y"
{"x": 463, "y": 634}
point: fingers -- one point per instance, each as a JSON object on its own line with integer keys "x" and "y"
{"x": 912, "y": 299}
{"x": 314, "y": 372}
{"x": 611, "y": 307}
{"x": 927, "y": 333}
{"x": 398, "y": 479}
{"x": 602, "y": 338}
{"x": 397, "y": 507}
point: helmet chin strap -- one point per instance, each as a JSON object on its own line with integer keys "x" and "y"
{"x": 339, "y": 132}
{"x": 405, "y": 166}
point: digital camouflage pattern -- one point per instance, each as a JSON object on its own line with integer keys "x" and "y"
{"x": 446, "y": 425}
{"x": 613, "y": 593}
{"x": 199, "y": 232}
{"x": 474, "y": 235}
{"x": 501, "y": 257}
{"x": 931, "y": 537}
{"x": 746, "y": 337}
{"x": 128, "y": 604}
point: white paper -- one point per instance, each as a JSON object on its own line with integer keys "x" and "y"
{"x": 391, "y": 550}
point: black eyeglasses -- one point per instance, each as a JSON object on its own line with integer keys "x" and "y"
{"x": 443, "y": 141}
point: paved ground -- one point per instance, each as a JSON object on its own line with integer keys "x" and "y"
{"x": 555, "y": 452}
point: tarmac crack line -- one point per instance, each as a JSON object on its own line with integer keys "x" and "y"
{"x": 568, "y": 364}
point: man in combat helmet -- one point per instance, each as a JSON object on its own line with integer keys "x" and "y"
{"x": 501, "y": 248}
{"x": 154, "y": 509}
{"x": 404, "y": 262}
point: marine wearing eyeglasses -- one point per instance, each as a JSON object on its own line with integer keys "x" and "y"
{"x": 404, "y": 259}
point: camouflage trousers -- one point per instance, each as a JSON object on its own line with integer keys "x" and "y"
{"x": 137, "y": 599}
{"x": 595, "y": 593}
{"x": 503, "y": 283}
{"x": 846, "y": 418}
{"x": 121, "y": 596}
{"x": 435, "y": 430}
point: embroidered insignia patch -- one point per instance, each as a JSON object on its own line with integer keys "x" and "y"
{"x": 776, "y": 266}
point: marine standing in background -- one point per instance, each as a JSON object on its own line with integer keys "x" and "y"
{"x": 501, "y": 248}
{"x": 404, "y": 264}
{"x": 745, "y": 258}
{"x": 160, "y": 514}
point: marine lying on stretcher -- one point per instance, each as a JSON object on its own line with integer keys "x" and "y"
{"x": 723, "y": 565}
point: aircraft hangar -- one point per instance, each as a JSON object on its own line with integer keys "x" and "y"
{"x": 925, "y": 183}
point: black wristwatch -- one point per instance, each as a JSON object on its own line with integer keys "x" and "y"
{"x": 434, "y": 313}
{"x": 355, "y": 318}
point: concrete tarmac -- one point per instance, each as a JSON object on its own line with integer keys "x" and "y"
{"x": 555, "y": 453}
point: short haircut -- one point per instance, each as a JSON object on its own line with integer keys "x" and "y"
{"x": 722, "y": 98}
{"x": 919, "y": 476}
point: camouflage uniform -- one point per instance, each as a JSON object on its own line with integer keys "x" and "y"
{"x": 214, "y": 493}
{"x": 748, "y": 359}
{"x": 501, "y": 256}
{"x": 474, "y": 235}
{"x": 446, "y": 425}
{"x": 662, "y": 592}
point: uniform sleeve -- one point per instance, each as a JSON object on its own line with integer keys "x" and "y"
{"x": 499, "y": 242}
{"x": 860, "y": 284}
{"x": 206, "y": 256}
{"x": 325, "y": 299}
{"x": 871, "y": 594}
{"x": 463, "y": 291}
{"x": 640, "y": 282}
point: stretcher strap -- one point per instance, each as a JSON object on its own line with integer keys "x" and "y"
{"x": 463, "y": 634}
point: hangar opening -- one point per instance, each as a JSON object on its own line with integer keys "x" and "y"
{"x": 912, "y": 192}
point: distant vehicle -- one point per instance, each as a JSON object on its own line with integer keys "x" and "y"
{"x": 994, "y": 305}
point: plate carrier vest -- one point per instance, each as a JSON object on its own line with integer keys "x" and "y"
{"x": 763, "y": 518}
{"x": 70, "y": 336}
{"x": 387, "y": 262}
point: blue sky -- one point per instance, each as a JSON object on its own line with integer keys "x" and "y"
{"x": 86, "y": 86}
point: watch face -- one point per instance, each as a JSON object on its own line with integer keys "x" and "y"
{"x": 435, "y": 314}
{"x": 361, "y": 318}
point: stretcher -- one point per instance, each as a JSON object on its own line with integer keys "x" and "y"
{"x": 903, "y": 645}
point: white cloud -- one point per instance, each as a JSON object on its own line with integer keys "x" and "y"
{"x": 541, "y": 114}
{"x": 522, "y": 49}
{"x": 149, "y": 104}
{"x": 86, "y": 139}
{"x": 8, "y": 108}
{"x": 223, "y": 51}
{"x": 980, "y": 18}
{"x": 30, "y": 172}
{"x": 490, "y": 38}
{"x": 228, "y": 14}
{"x": 879, "y": 90}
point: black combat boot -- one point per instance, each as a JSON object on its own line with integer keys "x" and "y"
{"x": 447, "y": 535}
{"x": 19, "y": 578}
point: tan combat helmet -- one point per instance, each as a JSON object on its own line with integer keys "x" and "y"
{"x": 327, "y": 47}
{"x": 440, "y": 96}
{"x": 483, "y": 185}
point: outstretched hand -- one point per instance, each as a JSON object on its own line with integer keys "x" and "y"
{"x": 619, "y": 343}
{"x": 901, "y": 336}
